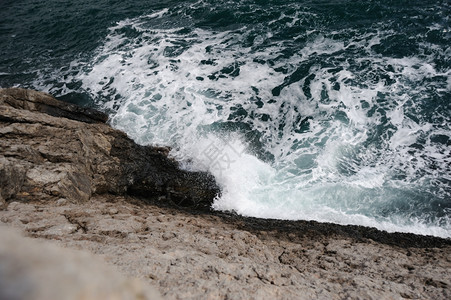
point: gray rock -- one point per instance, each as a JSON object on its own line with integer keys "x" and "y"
{"x": 11, "y": 178}
{"x": 35, "y": 270}
{"x": 2, "y": 203}
{"x": 51, "y": 150}
{"x": 208, "y": 256}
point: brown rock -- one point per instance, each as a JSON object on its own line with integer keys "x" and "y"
{"x": 41, "y": 102}
{"x": 2, "y": 203}
{"x": 51, "y": 150}
{"x": 11, "y": 178}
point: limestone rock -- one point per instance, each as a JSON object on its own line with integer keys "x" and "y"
{"x": 2, "y": 203}
{"x": 42, "y": 102}
{"x": 35, "y": 270}
{"x": 51, "y": 150}
{"x": 220, "y": 256}
{"x": 11, "y": 178}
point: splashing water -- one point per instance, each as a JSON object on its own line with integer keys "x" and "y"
{"x": 297, "y": 114}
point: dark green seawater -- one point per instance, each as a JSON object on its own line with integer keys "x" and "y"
{"x": 335, "y": 111}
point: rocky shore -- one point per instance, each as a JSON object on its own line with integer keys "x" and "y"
{"x": 51, "y": 149}
{"x": 69, "y": 179}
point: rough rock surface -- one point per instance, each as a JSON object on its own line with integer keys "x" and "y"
{"x": 212, "y": 256}
{"x": 42, "y": 271}
{"x": 51, "y": 150}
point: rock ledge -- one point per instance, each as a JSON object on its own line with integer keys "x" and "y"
{"x": 51, "y": 150}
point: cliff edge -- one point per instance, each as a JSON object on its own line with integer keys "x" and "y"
{"x": 50, "y": 150}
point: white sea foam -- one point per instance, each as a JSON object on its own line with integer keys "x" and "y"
{"x": 185, "y": 89}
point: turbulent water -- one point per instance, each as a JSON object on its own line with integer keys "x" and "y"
{"x": 335, "y": 111}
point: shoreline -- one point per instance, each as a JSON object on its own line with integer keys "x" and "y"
{"x": 309, "y": 228}
{"x": 187, "y": 254}
{"x": 178, "y": 195}
{"x": 68, "y": 178}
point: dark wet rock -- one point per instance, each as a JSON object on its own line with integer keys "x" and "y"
{"x": 51, "y": 150}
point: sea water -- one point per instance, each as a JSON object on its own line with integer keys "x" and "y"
{"x": 335, "y": 111}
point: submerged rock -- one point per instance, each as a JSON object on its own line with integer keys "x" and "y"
{"x": 51, "y": 150}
